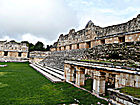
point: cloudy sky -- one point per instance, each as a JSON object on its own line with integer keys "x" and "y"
{"x": 45, "y": 20}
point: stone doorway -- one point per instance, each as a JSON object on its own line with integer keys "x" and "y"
{"x": 103, "y": 41}
{"x": 121, "y": 39}
{"x": 110, "y": 82}
{"x": 74, "y": 75}
{"x": 5, "y": 53}
{"x": 78, "y": 46}
{"x": 88, "y": 44}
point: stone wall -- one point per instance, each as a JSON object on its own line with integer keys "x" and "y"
{"x": 118, "y": 98}
{"x": 13, "y": 50}
{"x": 92, "y": 32}
{"x": 56, "y": 59}
{"x": 103, "y": 77}
{"x": 128, "y": 52}
{"x": 125, "y": 54}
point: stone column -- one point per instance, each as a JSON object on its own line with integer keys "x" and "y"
{"x": 72, "y": 74}
{"x": 99, "y": 83}
{"x": 117, "y": 79}
{"x": 68, "y": 70}
{"x": 80, "y": 76}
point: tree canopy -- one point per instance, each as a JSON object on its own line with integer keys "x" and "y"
{"x": 39, "y": 46}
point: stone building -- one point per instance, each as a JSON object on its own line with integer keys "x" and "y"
{"x": 80, "y": 53}
{"x": 93, "y": 35}
{"x": 13, "y": 51}
{"x": 104, "y": 76}
{"x": 37, "y": 56}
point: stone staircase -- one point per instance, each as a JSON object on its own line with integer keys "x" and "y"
{"x": 54, "y": 75}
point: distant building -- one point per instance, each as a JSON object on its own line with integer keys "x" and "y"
{"x": 37, "y": 56}
{"x": 13, "y": 51}
{"x": 93, "y": 35}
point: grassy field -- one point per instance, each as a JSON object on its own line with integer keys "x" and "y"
{"x": 131, "y": 91}
{"x": 88, "y": 84}
{"x": 22, "y": 85}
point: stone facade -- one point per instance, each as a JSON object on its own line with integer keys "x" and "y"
{"x": 13, "y": 51}
{"x": 56, "y": 58}
{"x": 93, "y": 35}
{"x": 125, "y": 54}
{"x": 118, "y": 98}
{"x": 103, "y": 77}
{"x": 38, "y": 56}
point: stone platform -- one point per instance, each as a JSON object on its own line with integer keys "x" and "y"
{"x": 54, "y": 75}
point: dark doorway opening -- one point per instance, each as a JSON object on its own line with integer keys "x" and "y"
{"x": 78, "y": 46}
{"x": 64, "y": 47}
{"x": 70, "y": 47}
{"x": 74, "y": 75}
{"x": 5, "y": 53}
{"x": 122, "y": 39}
{"x": 88, "y": 44}
{"x": 103, "y": 41}
{"x": 59, "y": 48}
{"x": 110, "y": 83}
{"x": 19, "y": 54}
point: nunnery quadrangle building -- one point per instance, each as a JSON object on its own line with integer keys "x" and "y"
{"x": 109, "y": 56}
{"x": 13, "y": 51}
{"x": 93, "y": 35}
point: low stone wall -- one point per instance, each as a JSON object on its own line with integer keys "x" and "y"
{"x": 11, "y": 59}
{"x": 117, "y": 98}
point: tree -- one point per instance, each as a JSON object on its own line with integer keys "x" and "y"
{"x": 13, "y": 41}
{"x": 39, "y": 46}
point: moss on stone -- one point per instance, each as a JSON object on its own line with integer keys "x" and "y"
{"x": 131, "y": 91}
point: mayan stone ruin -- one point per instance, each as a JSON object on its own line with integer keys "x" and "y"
{"x": 107, "y": 56}
{"x": 13, "y": 51}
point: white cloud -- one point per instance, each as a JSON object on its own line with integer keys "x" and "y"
{"x": 31, "y": 38}
{"x": 44, "y": 20}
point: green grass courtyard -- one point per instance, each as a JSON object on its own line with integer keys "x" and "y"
{"x": 22, "y": 85}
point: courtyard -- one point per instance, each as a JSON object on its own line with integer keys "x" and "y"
{"x": 21, "y": 84}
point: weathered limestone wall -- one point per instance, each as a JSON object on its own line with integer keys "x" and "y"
{"x": 95, "y": 33}
{"x": 13, "y": 51}
{"x": 118, "y": 98}
{"x": 103, "y": 77}
{"x": 56, "y": 58}
{"x": 38, "y": 56}
{"x": 128, "y": 52}
{"x": 112, "y": 40}
{"x": 122, "y": 51}
{"x": 125, "y": 79}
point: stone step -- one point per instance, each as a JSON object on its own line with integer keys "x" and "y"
{"x": 57, "y": 68}
{"x": 48, "y": 76}
{"x": 57, "y": 75}
{"x": 52, "y": 69}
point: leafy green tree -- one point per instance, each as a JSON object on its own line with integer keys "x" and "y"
{"x": 48, "y": 47}
{"x": 39, "y": 46}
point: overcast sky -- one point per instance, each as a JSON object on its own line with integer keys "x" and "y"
{"x": 45, "y": 20}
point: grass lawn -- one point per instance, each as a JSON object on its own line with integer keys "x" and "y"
{"x": 131, "y": 91}
{"x": 21, "y": 84}
{"x": 88, "y": 84}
